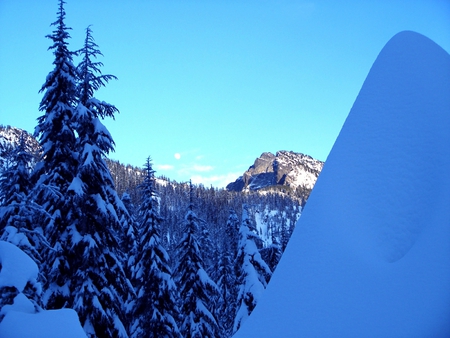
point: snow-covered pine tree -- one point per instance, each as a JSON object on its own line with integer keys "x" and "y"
{"x": 232, "y": 233}
{"x": 129, "y": 243}
{"x": 98, "y": 285}
{"x": 195, "y": 286}
{"x": 207, "y": 250}
{"x": 271, "y": 254}
{"x": 155, "y": 310}
{"x": 6, "y": 150}
{"x": 130, "y": 240}
{"x": 253, "y": 274}
{"x": 57, "y": 167}
{"x": 15, "y": 182}
{"x": 224, "y": 273}
{"x": 16, "y": 207}
{"x": 227, "y": 283}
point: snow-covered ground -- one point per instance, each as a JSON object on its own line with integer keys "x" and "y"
{"x": 24, "y": 319}
{"x": 370, "y": 256}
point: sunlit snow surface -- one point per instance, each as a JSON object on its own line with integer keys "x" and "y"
{"x": 370, "y": 256}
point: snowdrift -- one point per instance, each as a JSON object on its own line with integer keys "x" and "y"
{"x": 24, "y": 319}
{"x": 370, "y": 256}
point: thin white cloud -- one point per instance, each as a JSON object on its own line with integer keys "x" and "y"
{"x": 218, "y": 181}
{"x": 202, "y": 168}
{"x": 188, "y": 170}
{"x": 164, "y": 167}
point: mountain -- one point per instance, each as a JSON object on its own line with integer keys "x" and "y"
{"x": 370, "y": 255}
{"x": 296, "y": 171}
{"x": 9, "y": 138}
{"x": 12, "y": 135}
{"x": 274, "y": 213}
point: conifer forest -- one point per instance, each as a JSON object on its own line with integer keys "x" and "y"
{"x": 134, "y": 254}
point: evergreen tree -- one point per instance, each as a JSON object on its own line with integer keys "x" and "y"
{"x": 254, "y": 273}
{"x": 130, "y": 240}
{"x": 6, "y": 150}
{"x": 57, "y": 168}
{"x": 206, "y": 246}
{"x": 271, "y": 254}
{"x": 226, "y": 282}
{"x": 155, "y": 310}
{"x": 98, "y": 286}
{"x": 92, "y": 79}
{"x": 195, "y": 286}
{"x": 232, "y": 233}
{"x": 16, "y": 207}
{"x": 224, "y": 273}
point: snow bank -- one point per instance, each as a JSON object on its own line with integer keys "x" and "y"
{"x": 45, "y": 324}
{"x": 16, "y": 268}
{"x": 21, "y": 319}
{"x": 370, "y": 256}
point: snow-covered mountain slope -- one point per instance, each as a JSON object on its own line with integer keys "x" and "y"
{"x": 10, "y": 138}
{"x": 370, "y": 256}
{"x": 284, "y": 168}
{"x": 11, "y": 135}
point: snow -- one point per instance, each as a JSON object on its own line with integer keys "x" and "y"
{"x": 12, "y": 235}
{"x": 21, "y": 318}
{"x": 21, "y": 304}
{"x": 100, "y": 128}
{"x": 370, "y": 255}
{"x": 205, "y": 279}
{"x": 261, "y": 226}
{"x": 45, "y": 324}
{"x": 16, "y": 267}
{"x": 101, "y": 204}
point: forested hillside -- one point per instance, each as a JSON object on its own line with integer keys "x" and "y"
{"x": 274, "y": 209}
{"x": 270, "y": 214}
{"x": 133, "y": 254}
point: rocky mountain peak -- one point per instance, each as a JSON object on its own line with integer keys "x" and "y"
{"x": 285, "y": 168}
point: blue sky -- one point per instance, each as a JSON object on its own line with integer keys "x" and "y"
{"x": 206, "y": 86}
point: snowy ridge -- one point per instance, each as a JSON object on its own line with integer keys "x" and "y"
{"x": 375, "y": 261}
{"x": 301, "y": 170}
{"x": 10, "y": 138}
{"x": 285, "y": 168}
{"x": 11, "y": 135}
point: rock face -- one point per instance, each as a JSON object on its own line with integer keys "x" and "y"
{"x": 285, "y": 168}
